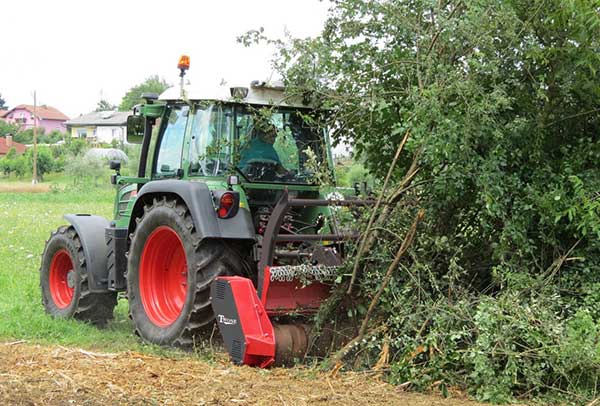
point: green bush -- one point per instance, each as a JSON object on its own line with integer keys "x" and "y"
{"x": 76, "y": 146}
{"x": 52, "y": 138}
{"x": 45, "y": 161}
{"x": 8, "y": 128}
{"x": 500, "y": 100}
{"x": 19, "y": 167}
{"x": 87, "y": 172}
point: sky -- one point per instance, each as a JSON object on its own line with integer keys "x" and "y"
{"x": 73, "y": 53}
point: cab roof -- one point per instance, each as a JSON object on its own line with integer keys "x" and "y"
{"x": 259, "y": 93}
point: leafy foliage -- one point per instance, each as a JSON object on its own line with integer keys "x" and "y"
{"x": 26, "y": 136}
{"x": 50, "y": 158}
{"x": 22, "y": 165}
{"x": 153, "y": 84}
{"x": 502, "y": 102}
{"x": 104, "y": 105}
{"x": 7, "y": 128}
{"x": 3, "y": 105}
{"x": 86, "y": 171}
{"x": 349, "y": 172}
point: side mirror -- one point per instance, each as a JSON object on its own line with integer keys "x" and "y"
{"x": 114, "y": 165}
{"x": 135, "y": 129}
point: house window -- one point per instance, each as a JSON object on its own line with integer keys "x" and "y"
{"x": 81, "y": 133}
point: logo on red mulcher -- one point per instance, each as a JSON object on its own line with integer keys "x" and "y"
{"x": 224, "y": 320}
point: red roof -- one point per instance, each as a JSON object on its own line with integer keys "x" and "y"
{"x": 20, "y": 148}
{"x": 43, "y": 112}
{"x": 3, "y": 113}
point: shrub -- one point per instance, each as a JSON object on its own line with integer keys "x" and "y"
{"x": 76, "y": 146}
{"x": 86, "y": 172}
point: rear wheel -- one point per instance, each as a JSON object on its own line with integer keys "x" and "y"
{"x": 64, "y": 281}
{"x": 169, "y": 274}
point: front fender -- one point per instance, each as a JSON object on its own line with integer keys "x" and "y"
{"x": 90, "y": 230}
{"x": 198, "y": 198}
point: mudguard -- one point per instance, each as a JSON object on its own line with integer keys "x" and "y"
{"x": 198, "y": 198}
{"x": 90, "y": 230}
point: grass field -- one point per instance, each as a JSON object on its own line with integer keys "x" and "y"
{"x": 27, "y": 220}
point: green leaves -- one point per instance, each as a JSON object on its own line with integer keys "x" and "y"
{"x": 502, "y": 99}
{"x": 152, "y": 84}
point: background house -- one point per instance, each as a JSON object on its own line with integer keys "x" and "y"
{"x": 6, "y": 143}
{"x": 49, "y": 118}
{"x": 101, "y": 127}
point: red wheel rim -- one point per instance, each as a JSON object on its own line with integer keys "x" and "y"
{"x": 61, "y": 269}
{"x": 163, "y": 276}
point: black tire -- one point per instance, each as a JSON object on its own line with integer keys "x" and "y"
{"x": 205, "y": 261}
{"x": 96, "y": 308}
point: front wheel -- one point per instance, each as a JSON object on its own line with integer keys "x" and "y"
{"x": 169, "y": 275}
{"x": 64, "y": 281}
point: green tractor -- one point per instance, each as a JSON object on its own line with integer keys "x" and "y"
{"x": 224, "y": 221}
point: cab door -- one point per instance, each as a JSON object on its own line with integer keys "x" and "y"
{"x": 169, "y": 147}
{"x": 210, "y": 147}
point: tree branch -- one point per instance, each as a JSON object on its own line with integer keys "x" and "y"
{"x": 361, "y": 248}
{"x": 408, "y": 239}
{"x": 439, "y": 32}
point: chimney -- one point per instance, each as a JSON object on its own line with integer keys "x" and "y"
{"x": 8, "y": 140}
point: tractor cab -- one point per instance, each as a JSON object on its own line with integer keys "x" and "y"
{"x": 263, "y": 144}
{"x": 254, "y": 132}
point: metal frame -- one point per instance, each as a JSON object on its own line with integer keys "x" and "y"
{"x": 272, "y": 237}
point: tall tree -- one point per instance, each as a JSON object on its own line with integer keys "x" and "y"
{"x": 502, "y": 100}
{"x": 153, "y": 84}
{"x": 104, "y": 105}
{"x": 3, "y": 105}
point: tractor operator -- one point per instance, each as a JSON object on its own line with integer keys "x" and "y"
{"x": 260, "y": 148}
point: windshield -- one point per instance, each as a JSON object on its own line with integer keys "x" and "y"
{"x": 278, "y": 145}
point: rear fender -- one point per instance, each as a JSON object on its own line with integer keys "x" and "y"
{"x": 90, "y": 230}
{"x": 199, "y": 200}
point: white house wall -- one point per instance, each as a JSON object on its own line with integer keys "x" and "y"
{"x": 106, "y": 134}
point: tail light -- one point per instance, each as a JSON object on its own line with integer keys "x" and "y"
{"x": 228, "y": 204}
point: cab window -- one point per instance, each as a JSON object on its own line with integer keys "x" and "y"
{"x": 277, "y": 145}
{"x": 210, "y": 147}
{"x": 170, "y": 148}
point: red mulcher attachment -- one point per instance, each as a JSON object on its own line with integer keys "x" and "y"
{"x": 243, "y": 312}
{"x": 246, "y": 329}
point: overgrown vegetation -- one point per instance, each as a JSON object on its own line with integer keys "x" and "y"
{"x": 500, "y": 104}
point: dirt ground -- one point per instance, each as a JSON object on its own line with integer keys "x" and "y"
{"x": 46, "y": 375}
{"x": 23, "y": 187}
